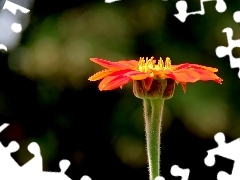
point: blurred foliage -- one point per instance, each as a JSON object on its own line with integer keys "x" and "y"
{"x": 54, "y": 56}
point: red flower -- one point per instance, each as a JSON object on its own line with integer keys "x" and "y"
{"x": 119, "y": 73}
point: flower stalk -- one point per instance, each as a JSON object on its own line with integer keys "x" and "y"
{"x": 153, "y": 81}
{"x": 153, "y": 109}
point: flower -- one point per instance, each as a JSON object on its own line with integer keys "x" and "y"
{"x": 147, "y": 70}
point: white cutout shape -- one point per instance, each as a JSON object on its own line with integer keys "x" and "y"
{"x": 2, "y": 46}
{"x": 228, "y": 150}
{"x": 12, "y": 7}
{"x": 177, "y": 171}
{"x": 182, "y": 9}
{"x": 159, "y": 178}
{"x": 3, "y": 126}
{"x": 222, "y": 51}
{"x": 236, "y": 16}
{"x": 33, "y": 169}
{"x": 86, "y": 178}
{"x": 111, "y": 1}
{"x": 17, "y": 28}
{"x": 7, "y": 38}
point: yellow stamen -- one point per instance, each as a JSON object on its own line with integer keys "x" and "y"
{"x": 150, "y": 64}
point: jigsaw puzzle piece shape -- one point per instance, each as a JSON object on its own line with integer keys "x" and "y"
{"x": 159, "y": 178}
{"x": 182, "y": 6}
{"x": 35, "y": 164}
{"x": 33, "y": 169}
{"x": 223, "y": 176}
{"x": 88, "y": 178}
{"x": 63, "y": 164}
{"x": 228, "y": 150}
{"x": 7, "y": 163}
{"x": 221, "y": 6}
{"x": 5, "y": 125}
{"x": 44, "y": 175}
{"x": 2, "y": 46}
{"x": 210, "y": 158}
{"x": 236, "y": 16}
{"x": 222, "y": 51}
{"x": 177, "y": 171}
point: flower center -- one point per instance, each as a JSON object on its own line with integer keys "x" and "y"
{"x": 150, "y": 65}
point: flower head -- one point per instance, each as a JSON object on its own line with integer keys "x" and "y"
{"x": 147, "y": 71}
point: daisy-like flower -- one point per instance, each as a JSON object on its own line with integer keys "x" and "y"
{"x": 151, "y": 78}
{"x": 153, "y": 81}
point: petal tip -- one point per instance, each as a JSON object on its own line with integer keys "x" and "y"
{"x": 101, "y": 88}
{"x": 184, "y": 87}
{"x": 93, "y": 59}
{"x": 90, "y": 78}
{"x": 219, "y": 80}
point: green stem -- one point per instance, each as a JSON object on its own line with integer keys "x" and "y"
{"x": 153, "y": 109}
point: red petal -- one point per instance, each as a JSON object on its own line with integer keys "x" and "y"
{"x": 113, "y": 82}
{"x": 184, "y": 75}
{"x": 137, "y": 75}
{"x": 131, "y": 63}
{"x": 219, "y": 80}
{"x": 147, "y": 83}
{"x": 207, "y": 75}
{"x": 195, "y": 66}
{"x": 184, "y": 87}
{"x": 111, "y": 65}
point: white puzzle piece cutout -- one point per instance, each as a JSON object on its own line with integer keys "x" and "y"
{"x": 182, "y": 6}
{"x": 228, "y": 150}
{"x": 12, "y": 7}
{"x": 33, "y": 169}
{"x": 177, "y": 172}
{"x": 7, "y": 163}
{"x": 3, "y": 126}
{"x": 10, "y": 24}
{"x": 85, "y": 178}
{"x": 34, "y": 165}
{"x": 222, "y": 51}
{"x": 5, "y": 156}
{"x": 159, "y": 178}
{"x": 111, "y": 1}
{"x": 2, "y": 46}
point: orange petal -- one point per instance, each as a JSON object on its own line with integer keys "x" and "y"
{"x": 99, "y": 75}
{"x": 113, "y": 82}
{"x": 195, "y": 66}
{"x": 137, "y": 75}
{"x": 162, "y": 74}
{"x": 131, "y": 63}
{"x": 207, "y": 75}
{"x": 184, "y": 87}
{"x": 109, "y": 64}
{"x": 184, "y": 75}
